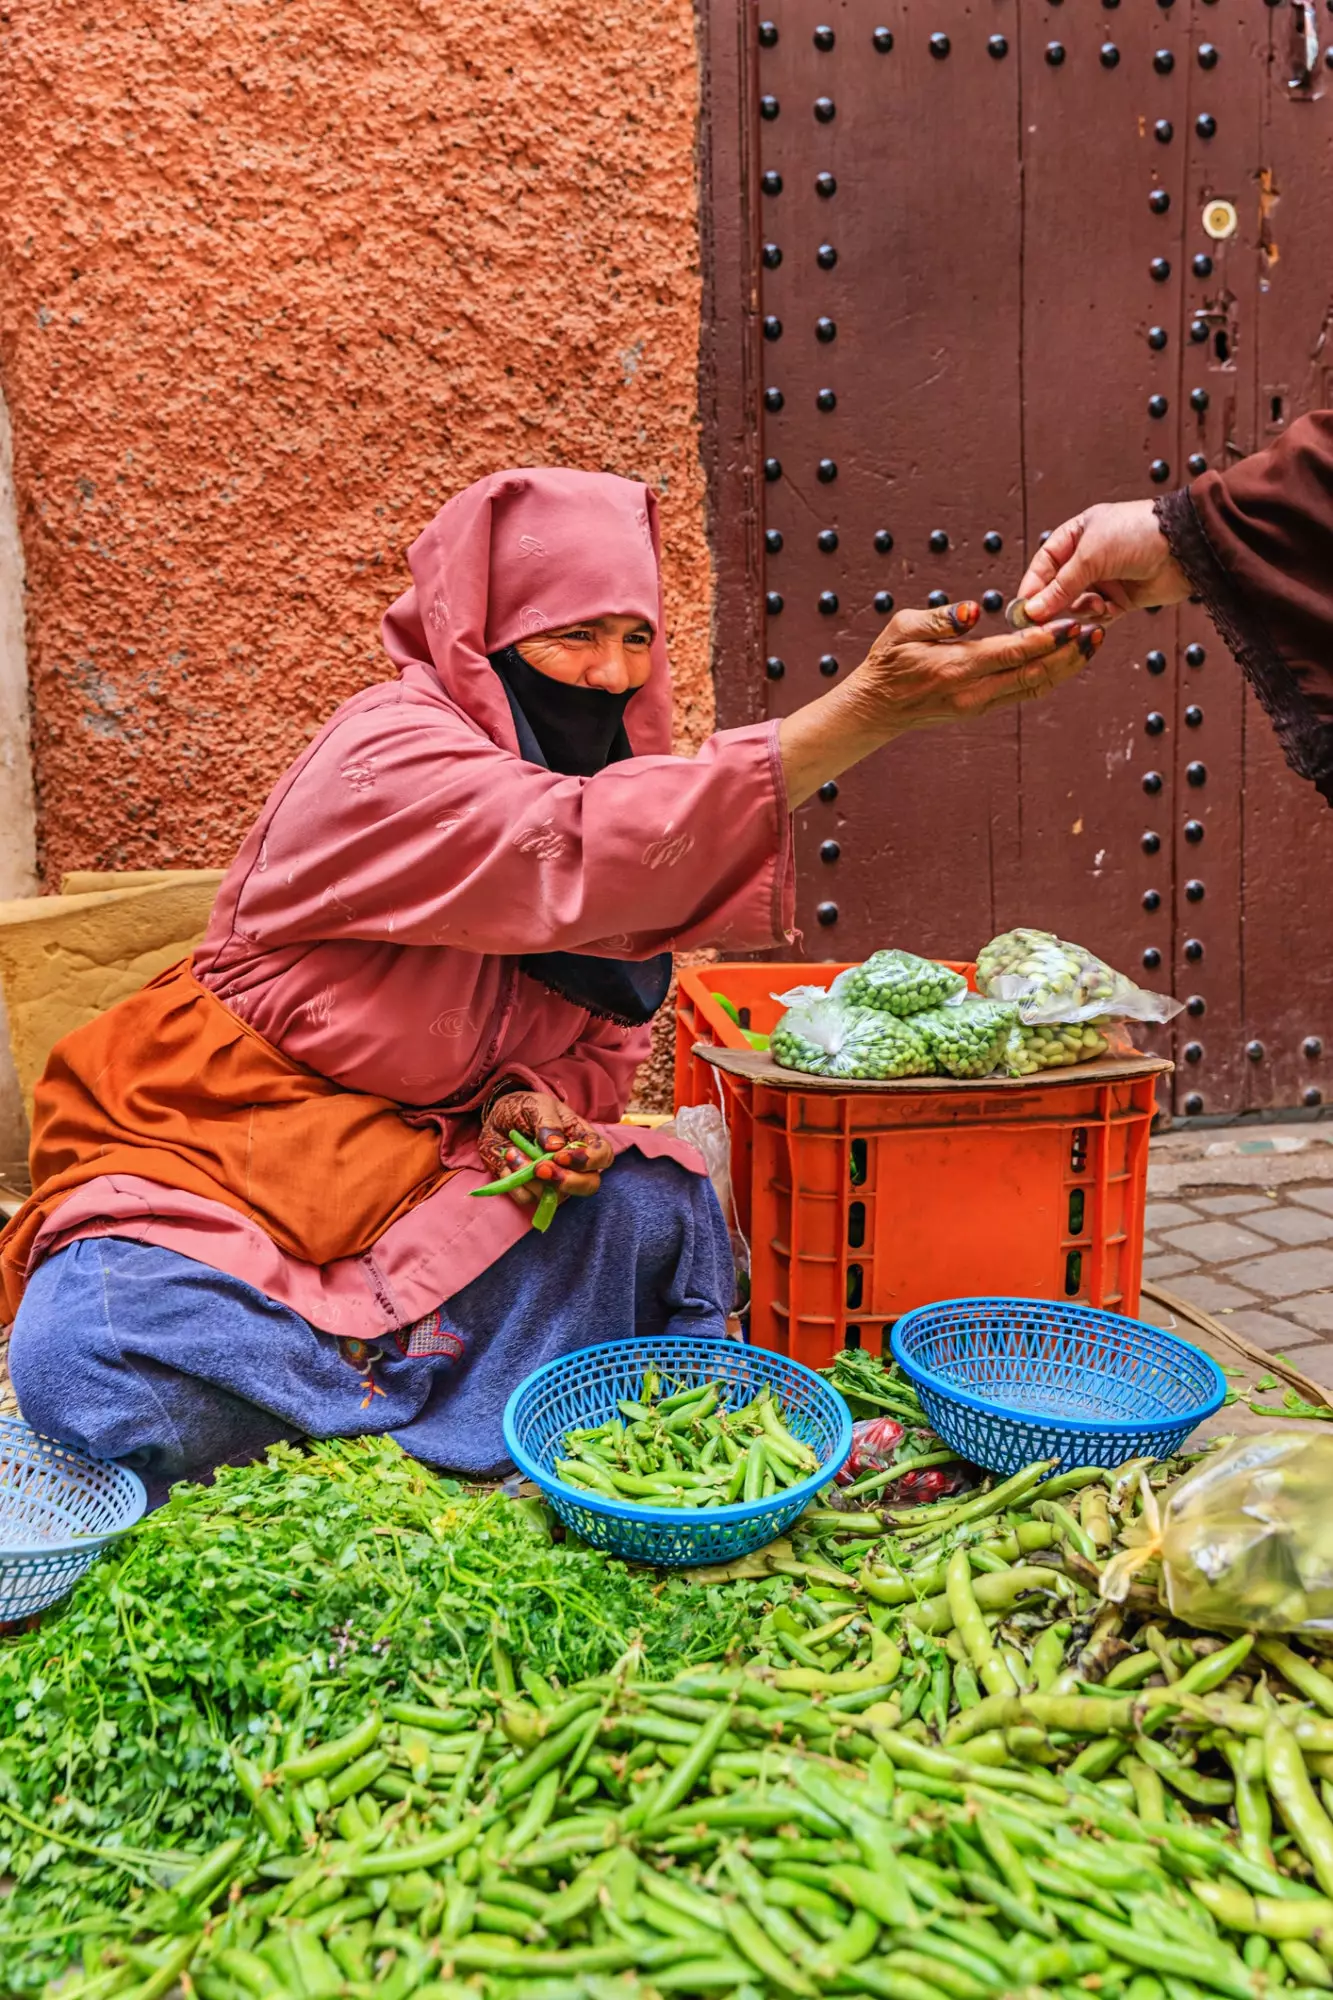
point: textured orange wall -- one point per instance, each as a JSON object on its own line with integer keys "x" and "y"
{"x": 280, "y": 275}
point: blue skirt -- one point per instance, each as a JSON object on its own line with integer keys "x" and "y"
{"x": 136, "y": 1353}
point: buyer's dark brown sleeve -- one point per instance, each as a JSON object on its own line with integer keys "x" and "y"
{"x": 1256, "y": 543}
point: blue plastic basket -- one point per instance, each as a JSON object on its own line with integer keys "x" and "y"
{"x": 585, "y": 1388}
{"x": 1007, "y": 1381}
{"x": 58, "y": 1510}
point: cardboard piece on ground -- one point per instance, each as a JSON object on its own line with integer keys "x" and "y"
{"x": 760, "y": 1068}
{"x": 65, "y": 959}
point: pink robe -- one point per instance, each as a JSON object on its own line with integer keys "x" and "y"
{"x": 371, "y": 924}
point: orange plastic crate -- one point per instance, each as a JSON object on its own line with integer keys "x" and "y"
{"x": 860, "y": 1205}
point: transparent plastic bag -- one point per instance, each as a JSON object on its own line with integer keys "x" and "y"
{"x": 1245, "y": 1540}
{"x": 823, "y": 1035}
{"x": 968, "y": 1038}
{"x": 1055, "y": 981}
{"x": 703, "y": 1127}
{"x": 898, "y": 982}
{"x": 1058, "y": 1044}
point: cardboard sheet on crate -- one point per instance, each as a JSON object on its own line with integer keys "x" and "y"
{"x": 761, "y": 1068}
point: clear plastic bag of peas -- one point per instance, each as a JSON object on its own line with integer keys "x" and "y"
{"x": 899, "y": 982}
{"x": 1245, "y": 1540}
{"x": 969, "y": 1037}
{"x": 1055, "y": 982}
{"x": 823, "y": 1034}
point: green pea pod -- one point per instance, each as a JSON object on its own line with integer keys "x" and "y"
{"x": 427, "y": 1854}
{"x": 535, "y": 1814}
{"x": 419, "y": 1715}
{"x": 174, "y": 1963}
{"x": 751, "y": 1940}
{"x": 544, "y": 1214}
{"x": 972, "y": 1629}
{"x": 1304, "y": 1963}
{"x": 551, "y": 1751}
{"x": 246, "y": 1970}
{"x": 1220, "y": 1968}
{"x": 1188, "y": 1782}
{"x": 942, "y": 1978}
{"x": 264, "y": 1802}
{"x": 1302, "y": 1674}
{"x": 1008, "y": 1862}
{"x": 519, "y": 1178}
{"x": 357, "y": 1777}
{"x": 953, "y": 1515}
{"x": 475, "y": 1954}
{"x": 570, "y": 1837}
{"x": 1265, "y": 1916}
{"x": 1290, "y": 1785}
{"x": 1133, "y": 1670}
{"x": 984, "y": 1889}
{"x": 718, "y": 1974}
{"x": 1048, "y": 1656}
{"x": 965, "y": 1958}
{"x": 202, "y": 1882}
{"x": 854, "y": 1940}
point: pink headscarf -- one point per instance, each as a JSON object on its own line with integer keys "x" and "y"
{"x": 522, "y": 552}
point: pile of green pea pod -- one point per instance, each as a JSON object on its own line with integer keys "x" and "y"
{"x": 687, "y": 1449}
{"x": 945, "y": 1771}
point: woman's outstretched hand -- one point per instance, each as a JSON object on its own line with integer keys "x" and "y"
{"x": 1109, "y": 559}
{"x": 923, "y": 670}
{"x": 578, "y": 1156}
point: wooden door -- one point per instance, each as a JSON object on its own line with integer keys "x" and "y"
{"x": 974, "y": 264}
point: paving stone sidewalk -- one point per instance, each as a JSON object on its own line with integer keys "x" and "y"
{"x": 1260, "y": 1259}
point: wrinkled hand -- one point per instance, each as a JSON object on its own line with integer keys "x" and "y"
{"x": 923, "y": 669}
{"x": 1108, "y": 560}
{"x": 579, "y": 1156}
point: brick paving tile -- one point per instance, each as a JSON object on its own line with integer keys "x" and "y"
{"x": 1157, "y": 1270}
{"x": 1287, "y": 1273}
{"x": 1201, "y": 1288}
{"x": 1315, "y": 1361}
{"x": 1214, "y": 1242}
{"x": 1266, "y": 1330}
{"x": 1292, "y": 1225}
{"x": 1315, "y": 1311}
{"x": 1168, "y": 1214}
{"x": 1225, "y": 1204}
{"x": 1315, "y": 1197}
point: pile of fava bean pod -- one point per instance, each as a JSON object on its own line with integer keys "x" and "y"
{"x": 945, "y": 1771}
{"x": 686, "y": 1449}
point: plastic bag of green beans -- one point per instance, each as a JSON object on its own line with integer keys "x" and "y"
{"x": 1053, "y": 981}
{"x": 822, "y": 1034}
{"x": 898, "y": 982}
{"x": 1246, "y": 1539}
{"x": 969, "y": 1037}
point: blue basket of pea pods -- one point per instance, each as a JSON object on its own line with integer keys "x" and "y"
{"x": 586, "y": 1389}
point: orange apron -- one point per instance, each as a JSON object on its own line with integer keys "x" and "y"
{"x": 172, "y": 1087}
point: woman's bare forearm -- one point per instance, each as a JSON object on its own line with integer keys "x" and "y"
{"x": 826, "y": 737}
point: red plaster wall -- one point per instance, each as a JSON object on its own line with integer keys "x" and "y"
{"x": 279, "y": 276}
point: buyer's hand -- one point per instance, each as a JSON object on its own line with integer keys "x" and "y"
{"x": 1110, "y": 559}
{"x": 578, "y": 1155}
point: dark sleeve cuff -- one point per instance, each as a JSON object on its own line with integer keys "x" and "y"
{"x": 1306, "y": 739}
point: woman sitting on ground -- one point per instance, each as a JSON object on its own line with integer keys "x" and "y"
{"x": 453, "y": 918}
